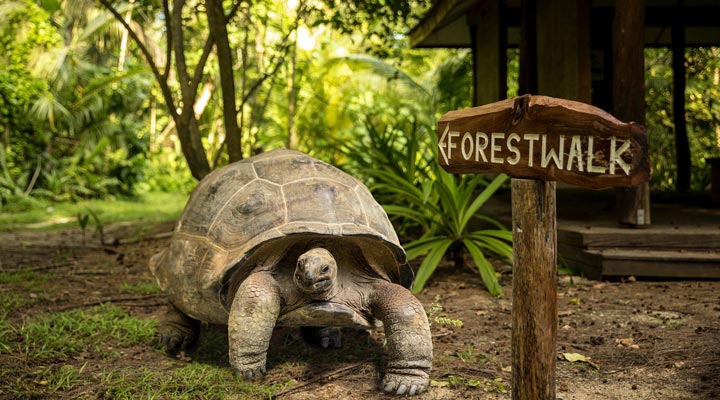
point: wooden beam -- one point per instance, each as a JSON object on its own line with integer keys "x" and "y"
{"x": 682, "y": 145}
{"x": 431, "y": 22}
{"x": 488, "y": 36}
{"x": 563, "y": 49}
{"x": 633, "y": 203}
{"x": 528, "y": 75}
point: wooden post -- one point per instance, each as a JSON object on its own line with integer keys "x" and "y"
{"x": 682, "y": 145}
{"x": 489, "y": 52}
{"x": 534, "y": 296}
{"x": 548, "y": 140}
{"x": 633, "y": 203}
{"x": 527, "y": 79}
{"x": 563, "y": 49}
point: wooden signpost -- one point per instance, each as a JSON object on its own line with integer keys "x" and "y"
{"x": 543, "y": 140}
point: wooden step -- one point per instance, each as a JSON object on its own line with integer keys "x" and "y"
{"x": 618, "y": 262}
{"x": 655, "y": 237}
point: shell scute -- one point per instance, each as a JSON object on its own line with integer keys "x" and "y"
{"x": 256, "y": 208}
{"x": 290, "y": 167}
{"x": 376, "y": 217}
{"x": 323, "y": 201}
{"x": 212, "y": 192}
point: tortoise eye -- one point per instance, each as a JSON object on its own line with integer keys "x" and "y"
{"x": 325, "y": 269}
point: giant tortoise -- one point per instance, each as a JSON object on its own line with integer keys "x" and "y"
{"x": 284, "y": 239}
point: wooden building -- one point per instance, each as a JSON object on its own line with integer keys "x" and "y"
{"x": 592, "y": 51}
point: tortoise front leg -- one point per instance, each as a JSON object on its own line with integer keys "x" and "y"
{"x": 408, "y": 339}
{"x": 253, "y": 314}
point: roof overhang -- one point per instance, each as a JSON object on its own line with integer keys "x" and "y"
{"x": 446, "y": 24}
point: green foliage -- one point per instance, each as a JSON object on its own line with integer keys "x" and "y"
{"x": 702, "y": 114}
{"x": 62, "y": 335}
{"x": 433, "y": 317}
{"x": 149, "y": 207}
{"x": 394, "y": 150}
{"x": 143, "y": 288}
{"x": 70, "y": 121}
{"x": 193, "y": 381}
{"x": 445, "y": 207}
{"x": 381, "y": 23}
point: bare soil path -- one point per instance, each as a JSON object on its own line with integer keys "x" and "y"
{"x": 617, "y": 340}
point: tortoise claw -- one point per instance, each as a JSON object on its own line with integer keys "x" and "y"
{"x": 401, "y": 385}
{"x": 252, "y": 373}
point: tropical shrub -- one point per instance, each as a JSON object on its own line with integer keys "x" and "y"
{"x": 443, "y": 206}
{"x": 393, "y": 148}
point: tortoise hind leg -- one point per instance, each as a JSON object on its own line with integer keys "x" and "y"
{"x": 409, "y": 345}
{"x": 177, "y": 331}
{"x": 325, "y": 337}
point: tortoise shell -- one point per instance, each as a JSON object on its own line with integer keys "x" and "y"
{"x": 253, "y": 211}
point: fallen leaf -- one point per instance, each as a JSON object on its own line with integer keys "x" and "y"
{"x": 435, "y": 383}
{"x": 626, "y": 342}
{"x": 575, "y": 357}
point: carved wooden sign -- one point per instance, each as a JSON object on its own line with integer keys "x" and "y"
{"x": 545, "y": 138}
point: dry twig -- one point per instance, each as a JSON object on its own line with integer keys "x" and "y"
{"x": 321, "y": 377}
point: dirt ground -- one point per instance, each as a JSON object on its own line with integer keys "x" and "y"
{"x": 635, "y": 339}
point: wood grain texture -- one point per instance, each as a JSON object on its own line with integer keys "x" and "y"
{"x": 628, "y": 88}
{"x": 584, "y": 137}
{"x": 534, "y": 309}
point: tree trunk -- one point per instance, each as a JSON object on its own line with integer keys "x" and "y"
{"x": 186, "y": 123}
{"x": 218, "y": 29}
{"x": 292, "y": 137}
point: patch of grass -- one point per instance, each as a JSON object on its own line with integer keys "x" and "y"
{"x": 471, "y": 355}
{"x": 61, "y": 378}
{"x": 140, "y": 288}
{"x": 27, "y": 280}
{"x": 6, "y": 333}
{"x": 150, "y": 207}
{"x": 13, "y": 301}
{"x": 62, "y": 335}
{"x": 495, "y": 385}
{"x": 192, "y": 381}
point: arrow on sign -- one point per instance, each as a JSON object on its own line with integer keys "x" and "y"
{"x": 450, "y": 145}
{"x": 441, "y": 143}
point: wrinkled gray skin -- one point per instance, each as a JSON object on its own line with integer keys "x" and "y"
{"x": 318, "y": 293}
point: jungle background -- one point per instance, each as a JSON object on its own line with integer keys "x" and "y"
{"x": 111, "y": 111}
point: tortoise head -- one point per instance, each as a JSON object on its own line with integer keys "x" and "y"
{"x": 316, "y": 273}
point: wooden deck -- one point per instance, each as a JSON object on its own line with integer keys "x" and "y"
{"x": 682, "y": 242}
